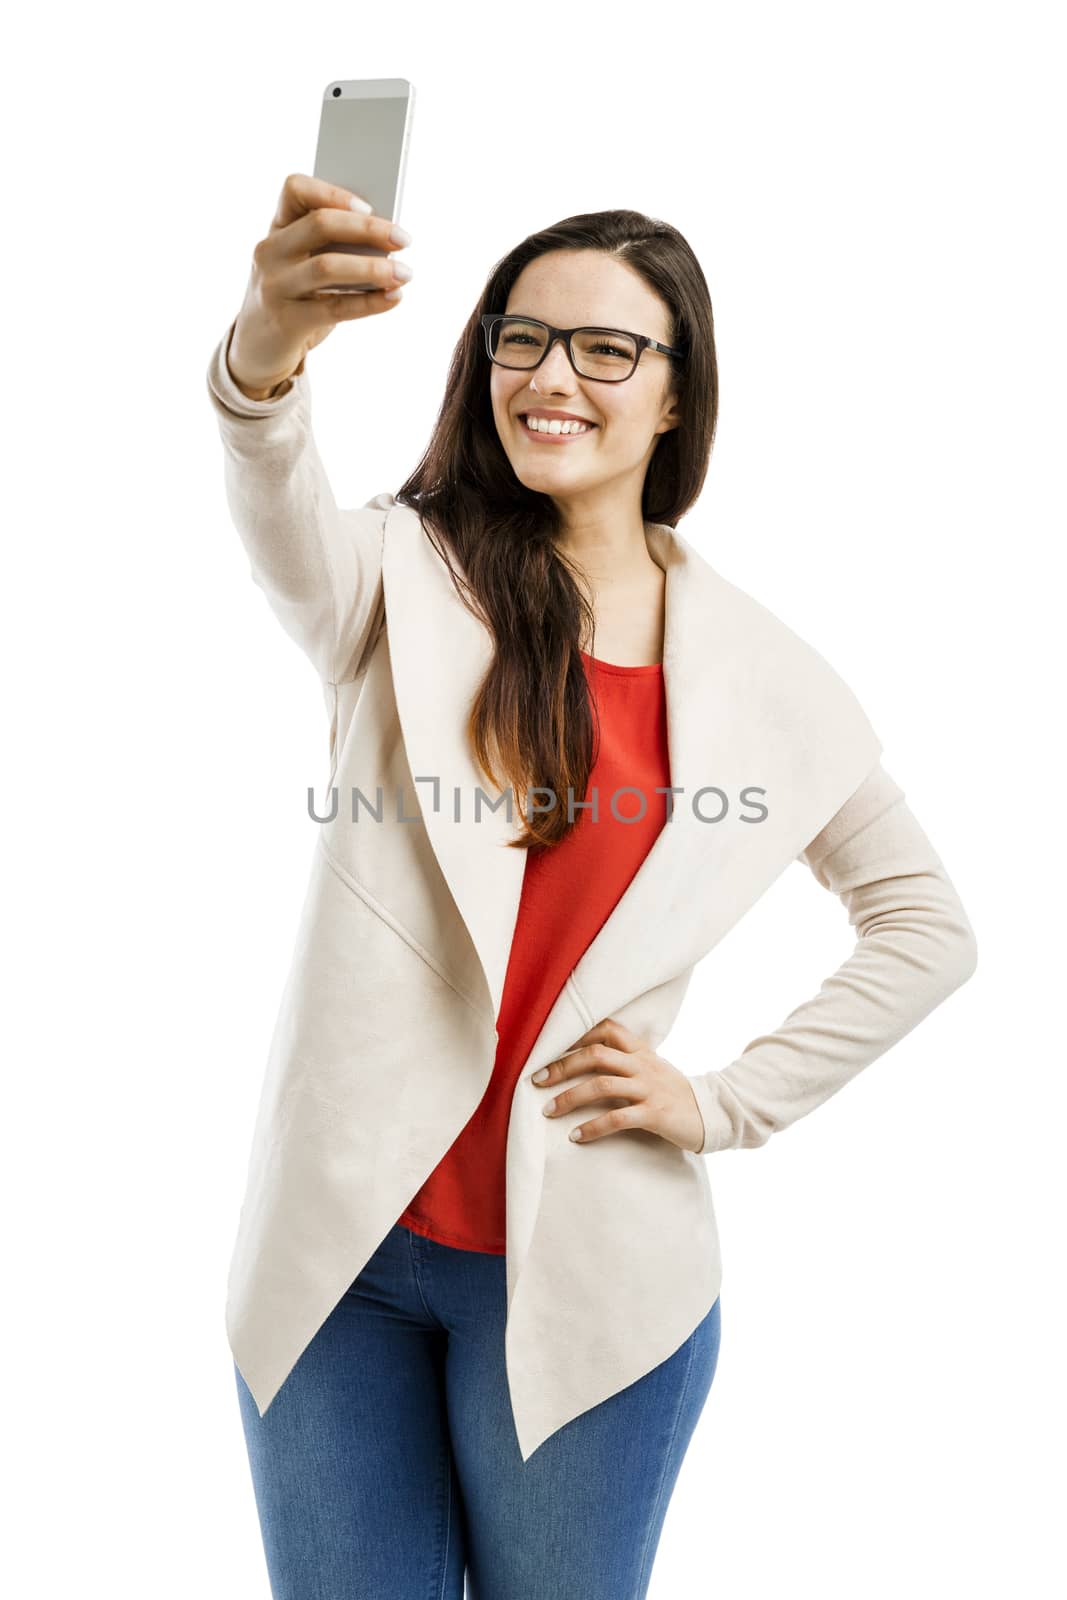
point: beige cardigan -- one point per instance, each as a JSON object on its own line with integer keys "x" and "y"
{"x": 385, "y": 1035}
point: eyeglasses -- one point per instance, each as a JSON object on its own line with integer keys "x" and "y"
{"x": 607, "y": 355}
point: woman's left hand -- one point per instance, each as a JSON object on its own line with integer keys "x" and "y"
{"x": 659, "y": 1097}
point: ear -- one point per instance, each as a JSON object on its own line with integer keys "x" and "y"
{"x": 671, "y": 418}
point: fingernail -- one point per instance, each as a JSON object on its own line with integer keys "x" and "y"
{"x": 399, "y": 235}
{"x": 401, "y": 270}
{"x": 575, "y": 1134}
{"x": 548, "y": 1110}
{"x": 358, "y": 204}
{"x": 541, "y": 1076}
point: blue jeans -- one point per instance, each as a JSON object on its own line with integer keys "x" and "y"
{"x": 387, "y": 1467}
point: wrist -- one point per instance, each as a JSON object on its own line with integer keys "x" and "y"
{"x": 253, "y": 392}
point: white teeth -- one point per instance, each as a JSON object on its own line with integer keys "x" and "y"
{"x": 554, "y": 425}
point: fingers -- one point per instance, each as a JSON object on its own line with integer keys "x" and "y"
{"x": 302, "y": 193}
{"x": 326, "y": 226}
{"x": 304, "y": 261}
{"x": 313, "y": 274}
{"x": 617, "y": 1034}
{"x": 603, "y": 1087}
{"x": 586, "y": 1057}
{"x": 643, "y": 1086}
{"x": 349, "y": 307}
{"x": 343, "y": 307}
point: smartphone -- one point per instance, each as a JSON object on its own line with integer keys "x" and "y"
{"x": 364, "y": 129}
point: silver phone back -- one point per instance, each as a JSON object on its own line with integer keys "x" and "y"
{"x": 364, "y": 129}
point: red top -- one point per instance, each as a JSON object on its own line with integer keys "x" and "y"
{"x": 568, "y": 892}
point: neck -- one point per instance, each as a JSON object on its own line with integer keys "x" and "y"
{"x": 609, "y": 558}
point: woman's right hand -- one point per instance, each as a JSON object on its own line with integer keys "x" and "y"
{"x": 285, "y": 314}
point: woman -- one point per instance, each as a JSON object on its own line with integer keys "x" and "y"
{"x": 474, "y": 1323}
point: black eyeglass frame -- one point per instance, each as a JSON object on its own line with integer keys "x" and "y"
{"x": 642, "y": 341}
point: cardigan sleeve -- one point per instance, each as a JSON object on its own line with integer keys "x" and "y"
{"x": 319, "y": 567}
{"x": 914, "y": 947}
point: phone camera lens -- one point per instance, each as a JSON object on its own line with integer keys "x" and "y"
{"x": 336, "y": 92}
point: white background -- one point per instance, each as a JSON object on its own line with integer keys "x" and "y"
{"x": 874, "y": 197}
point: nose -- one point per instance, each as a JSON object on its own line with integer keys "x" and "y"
{"x": 555, "y": 370}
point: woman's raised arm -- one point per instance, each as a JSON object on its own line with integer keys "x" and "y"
{"x": 320, "y": 567}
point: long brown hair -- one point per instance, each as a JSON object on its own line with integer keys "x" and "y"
{"x": 532, "y": 724}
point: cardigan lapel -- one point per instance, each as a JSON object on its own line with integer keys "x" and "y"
{"x": 766, "y": 743}
{"x": 439, "y": 653}
{"x": 750, "y": 706}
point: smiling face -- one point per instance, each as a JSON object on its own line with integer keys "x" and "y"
{"x": 600, "y": 473}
